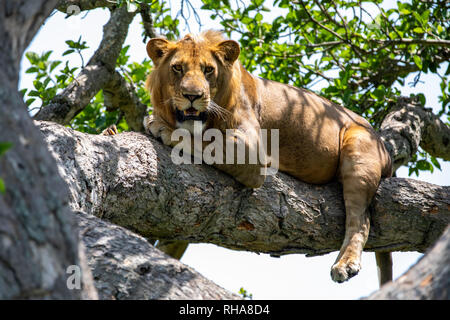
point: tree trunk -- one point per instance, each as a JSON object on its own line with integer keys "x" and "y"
{"x": 130, "y": 180}
{"x": 38, "y": 239}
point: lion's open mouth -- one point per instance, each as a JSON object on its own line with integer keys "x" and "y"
{"x": 190, "y": 114}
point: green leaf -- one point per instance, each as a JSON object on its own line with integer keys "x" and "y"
{"x": 29, "y": 101}
{"x": 32, "y": 57}
{"x": 34, "y": 93}
{"x": 4, "y": 146}
{"x": 424, "y": 165}
{"x": 417, "y": 16}
{"x": 71, "y": 43}
{"x": 435, "y": 162}
{"x": 2, "y": 186}
{"x": 422, "y": 98}
{"x": 46, "y": 55}
{"x": 32, "y": 70}
{"x": 68, "y": 52}
{"x": 418, "y": 61}
{"x": 54, "y": 64}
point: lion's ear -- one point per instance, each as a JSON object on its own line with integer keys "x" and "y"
{"x": 229, "y": 50}
{"x": 157, "y": 48}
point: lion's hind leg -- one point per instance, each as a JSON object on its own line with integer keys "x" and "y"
{"x": 360, "y": 173}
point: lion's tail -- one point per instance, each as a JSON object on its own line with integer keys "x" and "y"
{"x": 384, "y": 265}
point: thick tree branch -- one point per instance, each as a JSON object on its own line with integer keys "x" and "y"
{"x": 126, "y": 266}
{"x": 20, "y": 20}
{"x": 66, "y": 105}
{"x": 130, "y": 180}
{"x": 409, "y": 126}
{"x": 120, "y": 94}
{"x": 83, "y": 5}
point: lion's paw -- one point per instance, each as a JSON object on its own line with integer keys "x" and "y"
{"x": 110, "y": 131}
{"x": 158, "y": 129}
{"x": 342, "y": 271}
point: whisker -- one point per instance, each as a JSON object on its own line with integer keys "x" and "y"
{"x": 168, "y": 100}
{"x": 218, "y": 111}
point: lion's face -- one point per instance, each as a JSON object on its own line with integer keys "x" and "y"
{"x": 187, "y": 76}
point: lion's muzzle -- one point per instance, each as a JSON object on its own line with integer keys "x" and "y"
{"x": 190, "y": 114}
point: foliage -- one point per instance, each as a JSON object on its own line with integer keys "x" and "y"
{"x": 356, "y": 53}
{"x": 351, "y": 52}
{"x": 245, "y": 295}
{"x": 4, "y": 146}
{"x": 50, "y": 80}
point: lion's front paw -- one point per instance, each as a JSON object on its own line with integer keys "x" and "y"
{"x": 158, "y": 129}
{"x": 110, "y": 131}
{"x": 344, "y": 270}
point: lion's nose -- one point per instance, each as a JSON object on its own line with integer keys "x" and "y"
{"x": 192, "y": 97}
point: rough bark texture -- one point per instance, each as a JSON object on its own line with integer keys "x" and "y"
{"x": 130, "y": 180}
{"x": 38, "y": 239}
{"x": 428, "y": 279}
{"x": 64, "y": 5}
{"x": 120, "y": 94}
{"x": 147, "y": 22}
{"x": 409, "y": 126}
{"x": 97, "y": 73}
{"x": 126, "y": 266}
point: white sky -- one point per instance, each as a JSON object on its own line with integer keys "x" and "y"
{"x": 288, "y": 277}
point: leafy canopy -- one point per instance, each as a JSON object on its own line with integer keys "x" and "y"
{"x": 352, "y": 52}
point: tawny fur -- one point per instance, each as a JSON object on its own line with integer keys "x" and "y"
{"x": 318, "y": 140}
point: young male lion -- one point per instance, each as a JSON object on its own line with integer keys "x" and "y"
{"x": 200, "y": 78}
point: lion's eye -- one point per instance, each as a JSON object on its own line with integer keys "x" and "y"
{"x": 177, "y": 68}
{"x": 209, "y": 69}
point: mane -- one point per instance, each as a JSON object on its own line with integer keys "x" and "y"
{"x": 213, "y": 37}
{"x": 229, "y": 93}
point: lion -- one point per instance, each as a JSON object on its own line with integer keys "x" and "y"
{"x": 199, "y": 78}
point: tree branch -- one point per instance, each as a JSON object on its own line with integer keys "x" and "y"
{"x": 409, "y": 126}
{"x": 126, "y": 266}
{"x": 423, "y": 42}
{"x": 120, "y": 94}
{"x": 66, "y": 105}
{"x": 83, "y": 5}
{"x": 130, "y": 180}
{"x": 147, "y": 21}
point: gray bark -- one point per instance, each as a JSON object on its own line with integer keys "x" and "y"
{"x": 38, "y": 239}
{"x": 130, "y": 180}
{"x": 125, "y": 266}
{"x": 410, "y": 126}
{"x": 64, "y": 5}
{"x": 428, "y": 279}
{"x": 120, "y": 94}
